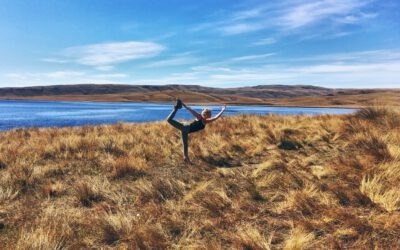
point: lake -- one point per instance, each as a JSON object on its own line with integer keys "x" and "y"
{"x": 20, "y": 114}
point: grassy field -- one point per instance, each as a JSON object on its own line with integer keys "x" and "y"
{"x": 257, "y": 182}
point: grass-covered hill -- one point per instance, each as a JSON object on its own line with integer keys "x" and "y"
{"x": 272, "y": 95}
{"x": 257, "y": 182}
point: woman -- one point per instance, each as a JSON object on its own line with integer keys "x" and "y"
{"x": 198, "y": 124}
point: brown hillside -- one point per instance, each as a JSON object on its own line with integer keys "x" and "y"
{"x": 275, "y": 95}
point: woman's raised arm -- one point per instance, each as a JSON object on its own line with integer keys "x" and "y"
{"x": 217, "y": 116}
{"x": 194, "y": 113}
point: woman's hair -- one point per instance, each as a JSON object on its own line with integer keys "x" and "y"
{"x": 206, "y": 112}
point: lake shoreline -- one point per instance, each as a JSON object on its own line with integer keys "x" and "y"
{"x": 189, "y": 103}
{"x": 28, "y": 113}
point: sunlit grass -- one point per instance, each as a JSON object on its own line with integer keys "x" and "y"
{"x": 256, "y": 182}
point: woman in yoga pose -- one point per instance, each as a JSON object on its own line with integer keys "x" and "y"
{"x": 198, "y": 124}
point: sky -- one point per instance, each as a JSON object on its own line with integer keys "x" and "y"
{"x": 218, "y": 43}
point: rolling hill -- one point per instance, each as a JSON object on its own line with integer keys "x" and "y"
{"x": 281, "y": 95}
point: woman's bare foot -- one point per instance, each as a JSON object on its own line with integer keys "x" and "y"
{"x": 187, "y": 160}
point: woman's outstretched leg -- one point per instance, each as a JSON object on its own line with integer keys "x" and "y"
{"x": 170, "y": 118}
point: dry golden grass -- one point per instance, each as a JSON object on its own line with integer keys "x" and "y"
{"x": 257, "y": 182}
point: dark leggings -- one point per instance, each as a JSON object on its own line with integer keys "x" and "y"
{"x": 183, "y": 128}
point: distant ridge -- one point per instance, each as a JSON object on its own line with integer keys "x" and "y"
{"x": 274, "y": 95}
{"x": 259, "y": 91}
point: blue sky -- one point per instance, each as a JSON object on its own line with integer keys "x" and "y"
{"x": 221, "y": 43}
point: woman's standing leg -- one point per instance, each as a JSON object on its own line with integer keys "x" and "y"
{"x": 185, "y": 141}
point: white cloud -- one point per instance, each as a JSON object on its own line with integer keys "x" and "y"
{"x": 285, "y": 17}
{"x": 265, "y": 41}
{"x": 60, "y": 77}
{"x": 327, "y": 75}
{"x": 176, "y": 61}
{"x": 62, "y": 74}
{"x": 54, "y": 60}
{"x": 210, "y": 69}
{"x": 107, "y": 54}
{"x": 240, "y": 28}
{"x": 111, "y": 75}
{"x": 251, "y": 57}
{"x": 50, "y": 75}
{"x": 249, "y": 13}
{"x": 373, "y": 68}
{"x": 374, "y": 56}
{"x": 356, "y": 18}
{"x": 350, "y": 68}
{"x": 105, "y": 68}
{"x": 364, "y": 69}
{"x": 312, "y": 12}
{"x": 173, "y": 78}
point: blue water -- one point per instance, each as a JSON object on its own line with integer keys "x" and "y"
{"x": 19, "y": 114}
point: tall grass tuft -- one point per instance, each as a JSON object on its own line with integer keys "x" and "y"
{"x": 382, "y": 115}
{"x": 129, "y": 167}
{"x": 381, "y": 186}
{"x": 87, "y": 194}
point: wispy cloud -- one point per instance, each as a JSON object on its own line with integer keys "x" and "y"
{"x": 315, "y": 11}
{"x": 51, "y": 75}
{"x": 349, "y": 68}
{"x": 265, "y": 41}
{"x": 43, "y": 78}
{"x": 378, "y": 68}
{"x": 105, "y": 76}
{"x": 61, "y": 77}
{"x": 62, "y": 74}
{"x": 291, "y": 15}
{"x": 104, "y": 68}
{"x": 104, "y": 55}
{"x": 356, "y": 18}
{"x": 239, "y": 28}
{"x": 386, "y": 55}
{"x": 54, "y": 60}
{"x": 249, "y": 13}
{"x": 251, "y": 57}
{"x": 210, "y": 69}
{"x": 328, "y": 75}
{"x": 170, "y": 62}
{"x": 185, "y": 58}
